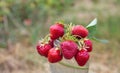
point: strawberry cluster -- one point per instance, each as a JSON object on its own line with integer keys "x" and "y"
{"x": 66, "y": 41}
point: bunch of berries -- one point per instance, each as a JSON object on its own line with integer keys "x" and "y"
{"x": 68, "y": 41}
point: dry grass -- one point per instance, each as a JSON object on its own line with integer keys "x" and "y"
{"x": 26, "y": 60}
{"x": 22, "y": 60}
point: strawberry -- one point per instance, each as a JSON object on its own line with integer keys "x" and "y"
{"x": 56, "y": 31}
{"x": 88, "y": 45}
{"x": 51, "y": 42}
{"x": 82, "y": 57}
{"x": 54, "y": 55}
{"x": 43, "y": 49}
{"x": 59, "y": 24}
{"x": 79, "y": 31}
{"x": 69, "y": 49}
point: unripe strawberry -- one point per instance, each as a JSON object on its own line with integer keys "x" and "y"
{"x": 43, "y": 49}
{"x": 79, "y": 31}
{"x": 69, "y": 49}
{"x": 54, "y": 55}
{"x": 82, "y": 57}
{"x": 88, "y": 45}
{"x": 56, "y": 31}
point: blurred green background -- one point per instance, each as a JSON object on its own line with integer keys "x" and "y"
{"x": 23, "y": 22}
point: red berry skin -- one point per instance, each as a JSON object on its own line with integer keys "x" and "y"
{"x": 59, "y": 24}
{"x": 56, "y": 31}
{"x": 82, "y": 57}
{"x": 88, "y": 45}
{"x": 79, "y": 31}
{"x": 54, "y": 55}
{"x": 69, "y": 49}
{"x": 43, "y": 49}
{"x": 51, "y": 42}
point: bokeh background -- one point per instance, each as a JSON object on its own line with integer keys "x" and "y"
{"x": 24, "y": 22}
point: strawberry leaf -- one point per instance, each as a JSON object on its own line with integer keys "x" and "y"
{"x": 92, "y": 31}
{"x": 92, "y": 28}
{"x": 99, "y": 40}
{"x": 93, "y": 23}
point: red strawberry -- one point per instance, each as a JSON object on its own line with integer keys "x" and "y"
{"x": 79, "y": 31}
{"x": 59, "y": 24}
{"x": 82, "y": 57}
{"x": 69, "y": 49}
{"x": 88, "y": 45}
{"x": 54, "y": 55}
{"x": 56, "y": 31}
{"x": 51, "y": 42}
{"x": 43, "y": 49}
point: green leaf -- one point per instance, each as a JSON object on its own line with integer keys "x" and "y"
{"x": 92, "y": 31}
{"x": 92, "y": 28}
{"x": 99, "y": 40}
{"x": 93, "y": 23}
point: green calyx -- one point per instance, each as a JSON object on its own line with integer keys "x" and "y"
{"x": 68, "y": 35}
{"x": 46, "y": 39}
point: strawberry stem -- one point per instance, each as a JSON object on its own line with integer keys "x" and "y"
{"x": 71, "y": 66}
{"x": 46, "y": 38}
{"x": 79, "y": 45}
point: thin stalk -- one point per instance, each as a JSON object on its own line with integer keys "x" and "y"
{"x": 71, "y": 66}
